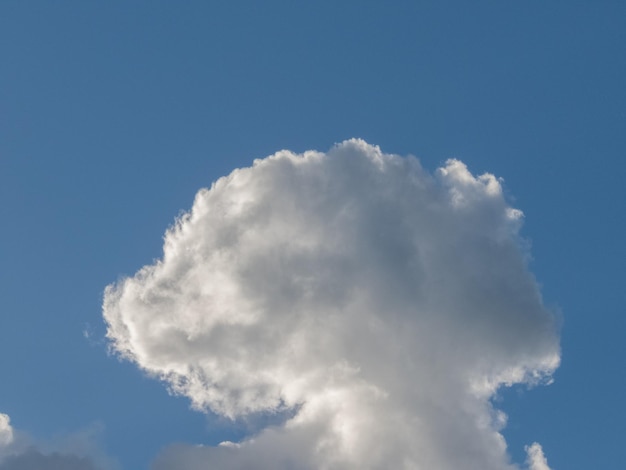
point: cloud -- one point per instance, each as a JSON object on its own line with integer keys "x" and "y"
{"x": 536, "y": 460}
{"x": 78, "y": 451}
{"x": 35, "y": 460}
{"x": 380, "y": 305}
{"x": 6, "y": 430}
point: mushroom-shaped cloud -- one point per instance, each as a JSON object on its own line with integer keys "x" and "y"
{"x": 382, "y": 306}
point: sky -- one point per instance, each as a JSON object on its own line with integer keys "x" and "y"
{"x": 326, "y": 235}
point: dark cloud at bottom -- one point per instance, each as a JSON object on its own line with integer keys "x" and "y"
{"x": 35, "y": 460}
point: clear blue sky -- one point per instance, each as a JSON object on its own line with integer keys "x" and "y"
{"x": 113, "y": 114}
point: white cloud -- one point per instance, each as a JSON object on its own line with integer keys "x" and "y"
{"x": 6, "y": 431}
{"x": 383, "y": 305}
{"x": 536, "y": 460}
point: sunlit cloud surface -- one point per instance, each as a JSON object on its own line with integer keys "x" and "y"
{"x": 377, "y": 306}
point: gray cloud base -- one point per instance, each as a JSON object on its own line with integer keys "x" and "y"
{"x": 383, "y": 304}
{"x": 80, "y": 450}
{"x": 35, "y": 460}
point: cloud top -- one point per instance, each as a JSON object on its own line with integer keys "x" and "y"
{"x": 6, "y": 430}
{"x": 536, "y": 460}
{"x": 382, "y": 305}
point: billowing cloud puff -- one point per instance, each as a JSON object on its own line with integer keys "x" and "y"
{"x": 380, "y": 305}
{"x": 6, "y": 430}
{"x": 536, "y": 459}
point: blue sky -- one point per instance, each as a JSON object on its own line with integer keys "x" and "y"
{"x": 114, "y": 114}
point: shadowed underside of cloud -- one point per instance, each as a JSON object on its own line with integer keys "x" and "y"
{"x": 77, "y": 451}
{"x": 381, "y": 304}
{"x": 34, "y": 460}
